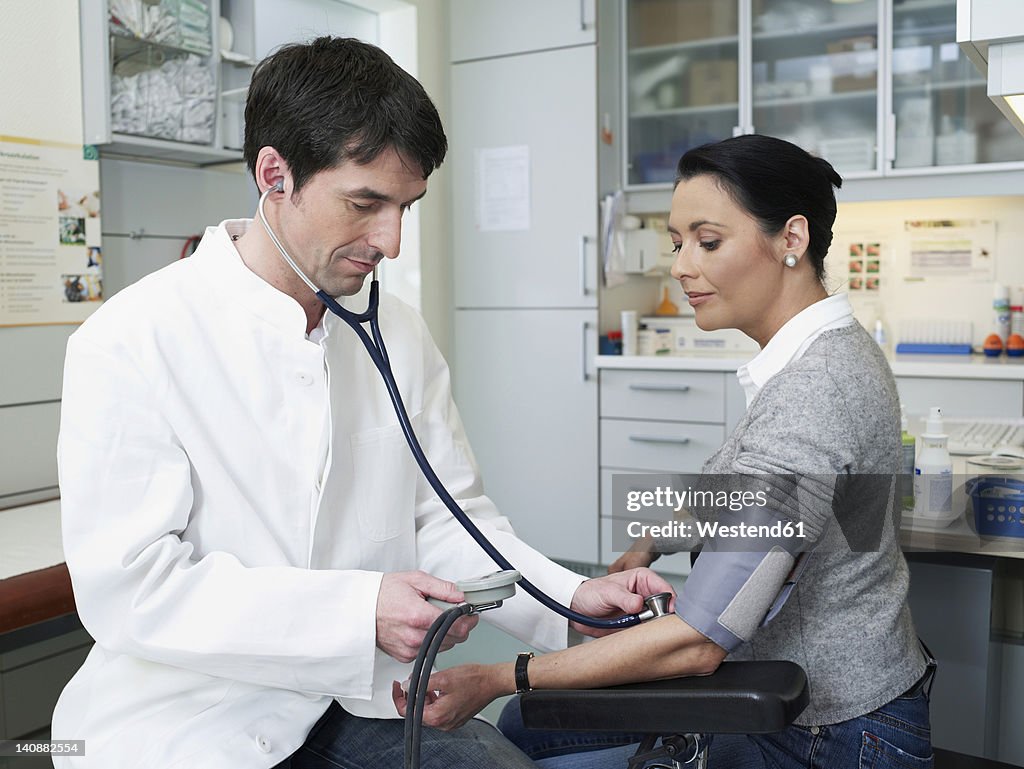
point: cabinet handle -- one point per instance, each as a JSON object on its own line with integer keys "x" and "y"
{"x": 583, "y": 350}
{"x": 583, "y": 16}
{"x": 659, "y": 439}
{"x": 661, "y": 388}
{"x": 583, "y": 266}
{"x": 890, "y": 137}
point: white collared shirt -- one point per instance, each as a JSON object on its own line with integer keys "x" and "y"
{"x": 792, "y": 340}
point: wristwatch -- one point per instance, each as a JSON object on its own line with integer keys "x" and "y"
{"x": 522, "y": 681}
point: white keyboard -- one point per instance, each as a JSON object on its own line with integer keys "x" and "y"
{"x": 980, "y": 436}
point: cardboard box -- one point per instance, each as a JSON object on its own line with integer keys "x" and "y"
{"x": 854, "y": 63}
{"x": 715, "y": 81}
{"x": 663, "y": 22}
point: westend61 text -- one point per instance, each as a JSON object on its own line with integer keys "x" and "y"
{"x": 708, "y": 529}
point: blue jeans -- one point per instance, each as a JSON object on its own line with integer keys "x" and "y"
{"x": 895, "y": 736}
{"x": 340, "y": 740}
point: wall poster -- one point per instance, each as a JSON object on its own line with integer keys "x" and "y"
{"x": 51, "y": 262}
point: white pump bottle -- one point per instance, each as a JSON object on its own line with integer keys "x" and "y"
{"x": 933, "y": 471}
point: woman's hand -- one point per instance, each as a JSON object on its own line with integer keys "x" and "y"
{"x": 462, "y": 692}
{"x": 641, "y": 553}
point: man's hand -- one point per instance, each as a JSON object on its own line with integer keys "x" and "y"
{"x": 404, "y": 616}
{"x": 615, "y": 595}
{"x": 457, "y": 694}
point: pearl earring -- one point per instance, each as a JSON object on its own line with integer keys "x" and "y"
{"x": 790, "y": 260}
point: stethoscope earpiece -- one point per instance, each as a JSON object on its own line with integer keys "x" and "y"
{"x": 279, "y": 185}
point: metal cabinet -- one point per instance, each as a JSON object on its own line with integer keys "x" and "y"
{"x": 962, "y": 398}
{"x": 550, "y": 260}
{"x": 530, "y": 410}
{"x": 485, "y": 28}
{"x": 526, "y": 292}
{"x": 660, "y": 422}
{"x": 878, "y": 87}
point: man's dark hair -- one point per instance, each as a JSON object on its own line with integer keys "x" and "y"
{"x": 772, "y": 180}
{"x": 336, "y": 99}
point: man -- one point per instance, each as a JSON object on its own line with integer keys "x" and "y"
{"x": 250, "y": 541}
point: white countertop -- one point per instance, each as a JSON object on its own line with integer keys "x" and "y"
{"x": 935, "y": 366}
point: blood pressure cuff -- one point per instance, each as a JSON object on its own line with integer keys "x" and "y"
{"x": 730, "y": 592}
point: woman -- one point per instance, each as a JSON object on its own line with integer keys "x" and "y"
{"x": 751, "y": 222}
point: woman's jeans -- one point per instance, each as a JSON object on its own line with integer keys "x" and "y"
{"x": 895, "y": 736}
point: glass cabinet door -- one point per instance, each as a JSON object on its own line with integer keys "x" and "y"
{"x": 682, "y": 81}
{"x": 943, "y": 115}
{"x": 815, "y": 77}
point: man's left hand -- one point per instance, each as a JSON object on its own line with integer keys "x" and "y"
{"x": 615, "y": 595}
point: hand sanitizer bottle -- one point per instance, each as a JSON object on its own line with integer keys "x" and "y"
{"x": 909, "y": 459}
{"x": 933, "y": 471}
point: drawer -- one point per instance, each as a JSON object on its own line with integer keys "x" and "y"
{"x": 683, "y": 395}
{"x": 961, "y": 397}
{"x": 671, "y": 447}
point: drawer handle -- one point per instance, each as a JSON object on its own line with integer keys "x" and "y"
{"x": 661, "y": 388}
{"x": 659, "y": 439}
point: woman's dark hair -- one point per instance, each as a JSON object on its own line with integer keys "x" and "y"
{"x": 772, "y": 180}
{"x": 336, "y": 99}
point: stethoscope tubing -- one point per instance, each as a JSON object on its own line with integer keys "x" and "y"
{"x": 377, "y": 351}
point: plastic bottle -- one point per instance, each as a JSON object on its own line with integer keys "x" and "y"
{"x": 933, "y": 471}
{"x": 909, "y": 462}
{"x": 630, "y": 327}
{"x": 1001, "y": 312}
{"x": 881, "y": 338}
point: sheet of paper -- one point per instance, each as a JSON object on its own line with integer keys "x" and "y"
{"x": 502, "y": 188}
{"x": 50, "y": 258}
{"x": 961, "y": 247}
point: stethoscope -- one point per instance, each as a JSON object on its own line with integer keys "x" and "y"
{"x": 378, "y": 354}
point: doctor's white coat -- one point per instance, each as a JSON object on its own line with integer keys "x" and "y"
{"x": 231, "y": 494}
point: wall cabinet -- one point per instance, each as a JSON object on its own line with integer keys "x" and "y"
{"x": 152, "y": 81}
{"x": 486, "y": 28}
{"x": 551, "y": 260}
{"x": 526, "y": 293}
{"x": 877, "y": 87}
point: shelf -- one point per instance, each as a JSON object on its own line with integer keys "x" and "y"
{"x": 135, "y": 147}
{"x": 832, "y": 97}
{"x": 813, "y": 33}
{"x": 688, "y": 45}
{"x": 947, "y": 85}
{"x": 914, "y": 6}
{"x": 679, "y": 111}
{"x": 137, "y": 44}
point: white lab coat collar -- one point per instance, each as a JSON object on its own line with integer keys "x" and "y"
{"x": 240, "y": 285}
{"x": 792, "y": 340}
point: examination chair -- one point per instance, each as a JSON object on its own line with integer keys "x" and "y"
{"x": 738, "y": 698}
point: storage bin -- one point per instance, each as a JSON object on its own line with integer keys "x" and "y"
{"x": 998, "y": 504}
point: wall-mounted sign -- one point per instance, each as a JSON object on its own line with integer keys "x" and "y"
{"x": 51, "y": 262}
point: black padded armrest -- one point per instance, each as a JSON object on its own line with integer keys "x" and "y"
{"x": 738, "y": 698}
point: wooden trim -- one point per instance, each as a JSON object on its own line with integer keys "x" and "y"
{"x": 35, "y": 597}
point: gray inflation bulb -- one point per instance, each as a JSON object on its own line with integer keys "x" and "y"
{"x": 488, "y": 589}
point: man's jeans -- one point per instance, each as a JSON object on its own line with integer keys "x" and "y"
{"x": 896, "y": 736}
{"x": 343, "y": 741}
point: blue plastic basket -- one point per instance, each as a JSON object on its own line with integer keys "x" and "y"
{"x": 998, "y": 505}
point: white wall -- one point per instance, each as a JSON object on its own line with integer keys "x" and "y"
{"x": 903, "y": 297}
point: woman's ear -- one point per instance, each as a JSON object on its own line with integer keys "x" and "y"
{"x": 796, "y": 236}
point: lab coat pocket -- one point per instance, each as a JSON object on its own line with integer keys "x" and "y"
{"x": 384, "y": 473}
